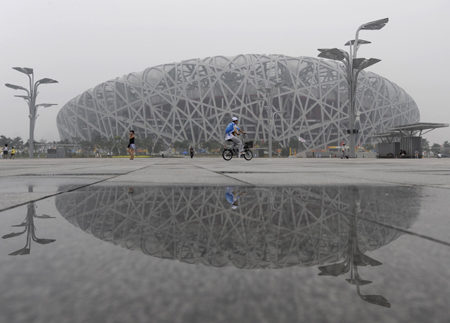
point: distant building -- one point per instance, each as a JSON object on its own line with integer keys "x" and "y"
{"x": 195, "y": 100}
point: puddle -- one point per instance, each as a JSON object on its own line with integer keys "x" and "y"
{"x": 246, "y": 228}
{"x": 243, "y": 227}
{"x": 334, "y": 245}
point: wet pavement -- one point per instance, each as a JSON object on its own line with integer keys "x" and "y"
{"x": 203, "y": 240}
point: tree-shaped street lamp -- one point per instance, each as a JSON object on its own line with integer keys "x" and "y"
{"x": 31, "y": 100}
{"x": 353, "y": 66}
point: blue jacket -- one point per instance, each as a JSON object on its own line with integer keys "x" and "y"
{"x": 230, "y": 128}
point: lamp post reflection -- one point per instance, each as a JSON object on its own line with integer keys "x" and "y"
{"x": 29, "y": 229}
{"x": 354, "y": 258}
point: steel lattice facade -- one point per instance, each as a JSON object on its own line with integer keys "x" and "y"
{"x": 195, "y": 100}
{"x": 271, "y": 227}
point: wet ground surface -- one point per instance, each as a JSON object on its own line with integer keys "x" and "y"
{"x": 92, "y": 247}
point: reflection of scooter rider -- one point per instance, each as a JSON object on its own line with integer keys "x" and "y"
{"x": 231, "y": 132}
{"x": 232, "y": 197}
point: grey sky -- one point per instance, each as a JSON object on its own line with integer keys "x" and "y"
{"x": 83, "y": 43}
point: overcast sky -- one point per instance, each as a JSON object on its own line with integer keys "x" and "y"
{"x": 82, "y": 43}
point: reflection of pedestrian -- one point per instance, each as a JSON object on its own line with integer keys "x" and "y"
{"x": 343, "y": 153}
{"x": 5, "y": 151}
{"x": 416, "y": 153}
{"x": 191, "y": 151}
{"x": 13, "y": 153}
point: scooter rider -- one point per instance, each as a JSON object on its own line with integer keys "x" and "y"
{"x": 231, "y": 133}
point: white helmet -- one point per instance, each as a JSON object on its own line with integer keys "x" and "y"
{"x": 234, "y": 119}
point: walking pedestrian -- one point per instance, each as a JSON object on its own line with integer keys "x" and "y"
{"x": 191, "y": 151}
{"x": 13, "y": 153}
{"x": 131, "y": 145}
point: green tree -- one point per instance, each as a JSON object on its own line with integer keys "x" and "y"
{"x": 182, "y": 145}
{"x": 186, "y": 145}
{"x": 425, "y": 143}
{"x": 285, "y": 152}
{"x": 147, "y": 143}
{"x": 108, "y": 144}
{"x": 436, "y": 146}
{"x": 86, "y": 145}
{"x": 159, "y": 146}
{"x": 212, "y": 144}
{"x": 4, "y": 140}
{"x": 119, "y": 145}
{"x": 368, "y": 147}
{"x": 446, "y": 144}
{"x": 294, "y": 143}
{"x": 99, "y": 142}
{"x": 17, "y": 143}
{"x": 177, "y": 145}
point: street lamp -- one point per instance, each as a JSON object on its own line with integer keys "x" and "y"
{"x": 269, "y": 98}
{"x": 31, "y": 99}
{"x": 353, "y": 66}
{"x": 46, "y": 105}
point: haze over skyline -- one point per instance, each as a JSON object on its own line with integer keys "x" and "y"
{"x": 84, "y": 43}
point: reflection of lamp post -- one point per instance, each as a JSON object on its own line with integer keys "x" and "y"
{"x": 29, "y": 229}
{"x": 354, "y": 257}
{"x": 271, "y": 115}
{"x": 353, "y": 67}
{"x": 31, "y": 100}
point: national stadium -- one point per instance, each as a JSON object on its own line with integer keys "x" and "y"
{"x": 194, "y": 100}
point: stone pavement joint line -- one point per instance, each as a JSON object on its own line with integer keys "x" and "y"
{"x": 66, "y": 191}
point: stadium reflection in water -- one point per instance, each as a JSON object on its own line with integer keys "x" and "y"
{"x": 249, "y": 228}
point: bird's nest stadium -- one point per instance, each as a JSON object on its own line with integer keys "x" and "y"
{"x": 195, "y": 99}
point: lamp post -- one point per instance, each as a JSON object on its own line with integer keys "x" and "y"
{"x": 31, "y": 100}
{"x": 269, "y": 98}
{"x": 353, "y": 66}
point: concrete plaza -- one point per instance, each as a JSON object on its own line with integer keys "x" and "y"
{"x": 429, "y": 172}
{"x": 298, "y": 218}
